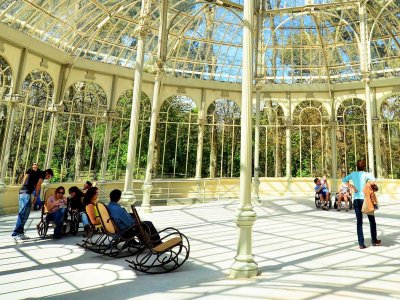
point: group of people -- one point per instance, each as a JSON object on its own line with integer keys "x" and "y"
{"x": 82, "y": 201}
{"x": 322, "y": 189}
{"x": 359, "y": 178}
{"x": 28, "y": 196}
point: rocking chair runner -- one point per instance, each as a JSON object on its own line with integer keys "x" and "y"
{"x": 167, "y": 256}
{"x": 97, "y": 239}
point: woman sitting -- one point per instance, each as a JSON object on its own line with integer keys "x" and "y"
{"x": 90, "y": 199}
{"x": 57, "y": 207}
{"x": 75, "y": 203}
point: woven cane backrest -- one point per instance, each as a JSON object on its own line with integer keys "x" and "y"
{"x": 139, "y": 225}
{"x": 106, "y": 221}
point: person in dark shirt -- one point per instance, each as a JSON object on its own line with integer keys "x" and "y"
{"x": 75, "y": 202}
{"x": 32, "y": 183}
{"x": 34, "y": 170}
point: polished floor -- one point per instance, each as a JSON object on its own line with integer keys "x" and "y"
{"x": 302, "y": 253}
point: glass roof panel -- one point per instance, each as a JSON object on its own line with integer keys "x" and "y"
{"x": 301, "y": 41}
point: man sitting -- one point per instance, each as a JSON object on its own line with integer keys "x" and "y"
{"x": 125, "y": 221}
{"x": 322, "y": 189}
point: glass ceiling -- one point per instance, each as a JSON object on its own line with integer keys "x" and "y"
{"x": 299, "y": 41}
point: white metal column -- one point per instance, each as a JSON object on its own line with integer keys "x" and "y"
{"x": 256, "y": 180}
{"x": 128, "y": 196}
{"x": 244, "y": 265}
{"x": 365, "y": 70}
{"x": 148, "y": 186}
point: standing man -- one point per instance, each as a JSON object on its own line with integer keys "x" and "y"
{"x": 359, "y": 179}
{"x": 32, "y": 183}
{"x": 34, "y": 170}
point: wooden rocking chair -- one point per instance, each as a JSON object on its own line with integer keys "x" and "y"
{"x": 167, "y": 256}
{"x": 97, "y": 240}
{"x": 119, "y": 244}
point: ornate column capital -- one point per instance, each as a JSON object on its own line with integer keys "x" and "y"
{"x": 142, "y": 30}
{"x": 54, "y": 108}
{"x": 15, "y": 99}
{"x": 159, "y": 69}
{"x": 366, "y": 75}
{"x": 109, "y": 114}
{"x": 376, "y": 121}
{"x": 259, "y": 84}
{"x": 202, "y": 121}
{"x": 287, "y": 122}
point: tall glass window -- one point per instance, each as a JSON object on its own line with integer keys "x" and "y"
{"x": 176, "y": 146}
{"x": 5, "y": 93}
{"x": 390, "y": 137}
{"x": 221, "y": 154}
{"x": 351, "y": 135}
{"x": 272, "y": 140}
{"x": 118, "y": 150}
{"x": 310, "y": 140}
{"x": 78, "y": 147}
{"x": 31, "y": 126}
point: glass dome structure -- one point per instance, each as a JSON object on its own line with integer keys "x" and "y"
{"x": 297, "y": 40}
{"x": 174, "y": 101}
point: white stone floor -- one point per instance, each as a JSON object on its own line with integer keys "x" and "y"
{"x": 302, "y": 252}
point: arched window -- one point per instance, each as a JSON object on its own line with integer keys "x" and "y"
{"x": 351, "y": 137}
{"x": 272, "y": 140}
{"x": 120, "y": 137}
{"x": 310, "y": 140}
{"x": 221, "y": 154}
{"x": 176, "y": 146}
{"x": 78, "y": 147}
{"x": 32, "y": 122}
{"x": 5, "y": 93}
{"x": 390, "y": 137}
{"x": 5, "y": 79}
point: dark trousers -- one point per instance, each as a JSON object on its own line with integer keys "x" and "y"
{"x": 150, "y": 229}
{"x": 372, "y": 224}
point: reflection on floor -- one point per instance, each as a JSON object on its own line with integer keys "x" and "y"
{"x": 302, "y": 252}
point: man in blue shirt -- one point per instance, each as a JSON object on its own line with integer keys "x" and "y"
{"x": 322, "y": 188}
{"x": 125, "y": 221}
{"x": 359, "y": 179}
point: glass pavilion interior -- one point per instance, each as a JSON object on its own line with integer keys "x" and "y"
{"x": 174, "y": 100}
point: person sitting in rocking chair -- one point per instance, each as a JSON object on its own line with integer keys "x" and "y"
{"x": 125, "y": 221}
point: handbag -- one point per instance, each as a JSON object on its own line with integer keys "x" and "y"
{"x": 365, "y": 209}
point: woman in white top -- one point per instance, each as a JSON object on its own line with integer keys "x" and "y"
{"x": 57, "y": 207}
{"x": 343, "y": 194}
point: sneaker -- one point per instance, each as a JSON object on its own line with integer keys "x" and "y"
{"x": 347, "y": 209}
{"x": 17, "y": 238}
{"x": 338, "y": 209}
{"x": 363, "y": 246}
{"x": 24, "y": 237}
{"x": 377, "y": 243}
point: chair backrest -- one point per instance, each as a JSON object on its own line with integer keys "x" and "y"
{"x": 47, "y": 194}
{"x": 105, "y": 218}
{"x": 90, "y": 221}
{"x": 138, "y": 223}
